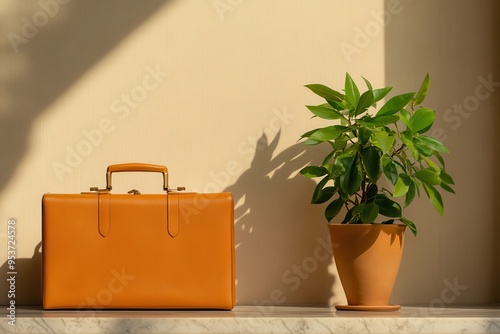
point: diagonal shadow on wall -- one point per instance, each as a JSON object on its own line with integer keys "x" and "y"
{"x": 283, "y": 251}
{"x": 48, "y": 46}
{"x": 41, "y": 61}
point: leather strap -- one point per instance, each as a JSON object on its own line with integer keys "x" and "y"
{"x": 104, "y": 208}
{"x": 104, "y": 213}
{"x": 173, "y": 214}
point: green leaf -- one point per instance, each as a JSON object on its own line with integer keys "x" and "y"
{"x": 402, "y": 185}
{"x": 378, "y": 120}
{"x": 410, "y": 224}
{"x": 364, "y": 134}
{"x": 447, "y": 188}
{"x": 365, "y": 101}
{"x": 371, "y": 192}
{"x": 318, "y": 191}
{"x": 326, "y": 160}
{"x": 422, "y": 92}
{"x": 368, "y": 84}
{"x": 422, "y": 120}
{"x": 325, "y": 113}
{"x": 388, "y": 207}
{"x": 355, "y": 179}
{"x": 435, "y": 198}
{"x": 432, "y": 164}
{"x": 357, "y": 209}
{"x": 422, "y": 148}
{"x": 383, "y": 140}
{"x": 445, "y": 177}
{"x": 407, "y": 138}
{"x": 333, "y": 209}
{"x": 395, "y": 104}
{"x": 379, "y": 94}
{"x": 389, "y": 169}
{"x": 326, "y": 92}
{"x": 328, "y": 133}
{"x": 410, "y": 195}
{"x": 309, "y": 133}
{"x": 428, "y": 176}
{"x": 371, "y": 161}
{"x": 440, "y": 158}
{"x": 339, "y": 143}
{"x": 369, "y": 213}
{"x": 404, "y": 116}
{"x": 321, "y": 193}
{"x": 432, "y": 143}
{"x": 313, "y": 171}
{"x": 341, "y": 165}
{"x": 351, "y": 181}
{"x": 351, "y": 90}
{"x": 310, "y": 142}
{"x": 336, "y": 105}
{"x": 352, "y": 149}
{"x": 349, "y": 217}
{"x": 417, "y": 184}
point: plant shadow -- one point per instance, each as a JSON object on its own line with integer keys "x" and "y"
{"x": 283, "y": 249}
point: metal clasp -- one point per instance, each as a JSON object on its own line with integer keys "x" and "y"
{"x": 176, "y": 189}
{"x": 98, "y": 190}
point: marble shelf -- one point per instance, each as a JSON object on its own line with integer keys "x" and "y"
{"x": 254, "y": 319}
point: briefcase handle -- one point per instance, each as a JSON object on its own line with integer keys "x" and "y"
{"x": 137, "y": 167}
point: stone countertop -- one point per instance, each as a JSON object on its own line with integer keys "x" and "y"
{"x": 256, "y": 319}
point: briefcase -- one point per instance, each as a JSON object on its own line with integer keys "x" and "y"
{"x": 138, "y": 251}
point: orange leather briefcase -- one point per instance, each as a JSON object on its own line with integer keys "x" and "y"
{"x": 140, "y": 251}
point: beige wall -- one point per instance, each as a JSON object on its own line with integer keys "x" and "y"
{"x": 455, "y": 42}
{"x": 214, "y": 90}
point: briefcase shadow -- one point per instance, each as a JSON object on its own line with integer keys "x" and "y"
{"x": 23, "y": 283}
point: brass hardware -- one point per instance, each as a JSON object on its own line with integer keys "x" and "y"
{"x": 176, "y": 189}
{"x": 108, "y": 181}
{"x": 98, "y": 190}
{"x": 135, "y": 191}
{"x": 165, "y": 181}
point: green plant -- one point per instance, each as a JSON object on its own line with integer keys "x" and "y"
{"x": 374, "y": 150}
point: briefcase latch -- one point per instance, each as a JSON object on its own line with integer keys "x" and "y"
{"x": 98, "y": 190}
{"x": 176, "y": 189}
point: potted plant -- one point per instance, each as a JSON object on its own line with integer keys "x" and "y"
{"x": 380, "y": 159}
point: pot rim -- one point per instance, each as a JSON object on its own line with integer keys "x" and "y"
{"x": 369, "y": 225}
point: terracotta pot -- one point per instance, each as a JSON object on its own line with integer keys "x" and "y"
{"x": 367, "y": 257}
